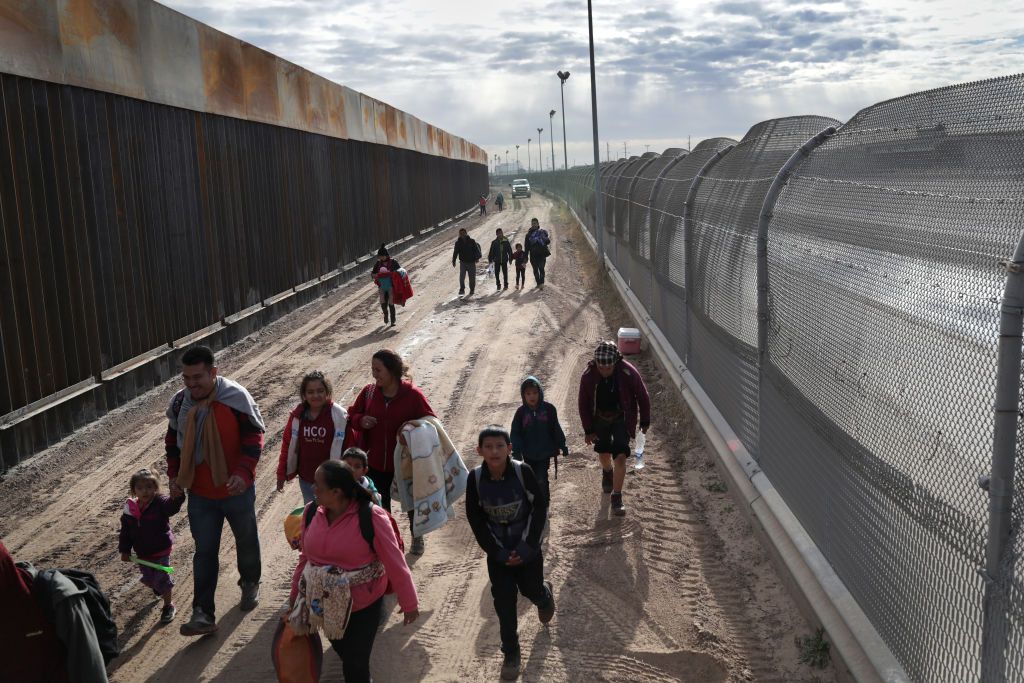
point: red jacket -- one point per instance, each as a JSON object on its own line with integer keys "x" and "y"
{"x": 313, "y": 449}
{"x": 242, "y": 443}
{"x": 379, "y": 442}
{"x": 401, "y": 288}
{"x": 632, "y": 394}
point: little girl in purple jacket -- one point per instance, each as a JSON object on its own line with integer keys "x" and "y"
{"x": 146, "y": 527}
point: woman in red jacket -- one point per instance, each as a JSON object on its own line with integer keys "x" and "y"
{"x": 315, "y": 432}
{"x": 379, "y": 411}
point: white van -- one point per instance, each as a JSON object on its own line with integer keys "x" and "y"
{"x": 520, "y": 188}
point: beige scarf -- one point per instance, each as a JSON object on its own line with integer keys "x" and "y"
{"x": 213, "y": 450}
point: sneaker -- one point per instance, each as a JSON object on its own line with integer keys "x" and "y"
{"x": 385, "y": 318}
{"x": 506, "y": 286}
{"x": 167, "y": 614}
{"x": 606, "y": 481}
{"x": 250, "y": 595}
{"x": 510, "y": 666}
{"x": 418, "y": 546}
{"x": 200, "y": 624}
{"x": 546, "y": 613}
{"x": 617, "y": 508}
{"x": 461, "y": 292}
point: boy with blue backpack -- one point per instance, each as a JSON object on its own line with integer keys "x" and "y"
{"x": 537, "y": 436}
{"x": 507, "y": 509}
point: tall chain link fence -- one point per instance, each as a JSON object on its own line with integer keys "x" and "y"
{"x": 836, "y": 289}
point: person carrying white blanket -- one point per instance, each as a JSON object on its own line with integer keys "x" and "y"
{"x": 431, "y": 474}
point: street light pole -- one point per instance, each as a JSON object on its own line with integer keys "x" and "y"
{"x": 551, "y": 132}
{"x": 563, "y": 76}
{"x": 540, "y": 152}
{"x": 517, "y": 158}
{"x": 598, "y": 201}
{"x": 529, "y": 162}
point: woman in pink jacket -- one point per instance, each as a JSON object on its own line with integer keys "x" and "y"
{"x": 348, "y": 541}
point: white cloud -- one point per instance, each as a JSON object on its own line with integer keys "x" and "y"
{"x": 665, "y": 69}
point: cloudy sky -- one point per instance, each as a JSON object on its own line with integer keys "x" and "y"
{"x": 666, "y": 70}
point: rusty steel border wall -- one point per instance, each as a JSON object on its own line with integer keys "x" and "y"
{"x": 141, "y": 49}
{"x": 133, "y": 225}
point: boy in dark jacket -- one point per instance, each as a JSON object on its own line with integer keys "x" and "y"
{"x": 537, "y": 436}
{"x": 146, "y": 527}
{"x": 500, "y": 254}
{"x": 507, "y": 509}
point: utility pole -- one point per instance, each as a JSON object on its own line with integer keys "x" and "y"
{"x": 624, "y": 152}
{"x": 551, "y": 132}
{"x": 598, "y": 202}
{"x": 517, "y": 158}
{"x": 563, "y": 76}
{"x": 607, "y": 151}
{"x": 529, "y": 163}
{"x": 688, "y": 148}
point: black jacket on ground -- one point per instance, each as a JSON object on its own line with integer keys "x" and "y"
{"x": 500, "y": 251}
{"x": 466, "y": 250}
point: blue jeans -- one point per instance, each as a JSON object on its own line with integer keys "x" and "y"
{"x": 307, "y": 491}
{"x": 206, "y": 521}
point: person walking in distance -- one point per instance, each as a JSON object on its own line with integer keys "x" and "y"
{"x": 507, "y": 508}
{"x": 466, "y": 253}
{"x": 315, "y": 432}
{"x": 500, "y": 254}
{"x": 381, "y": 274}
{"x": 213, "y": 443}
{"x": 483, "y": 205}
{"x": 500, "y": 201}
{"x": 521, "y": 257}
{"x": 379, "y": 411}
{"x": 613, "y": 402}
{"x": 537, "y": 241}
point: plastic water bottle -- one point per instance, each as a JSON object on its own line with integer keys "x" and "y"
{"x": 638, "y": 450}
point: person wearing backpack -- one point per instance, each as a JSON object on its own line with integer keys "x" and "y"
{"x": 537, "y": 245}
{"x": 500, "y": 254}
{"x": 350, "y": 555}
{"x": 467, "y": 253}
{"x": 50, "y": 633}
{"x": 213, "y": 442}
{"x": 537, "y": 436}
{"x": 507, "y": 509}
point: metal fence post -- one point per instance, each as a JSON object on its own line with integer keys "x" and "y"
{"x": 767, "y": 208}
{"x": 994, "y": 635}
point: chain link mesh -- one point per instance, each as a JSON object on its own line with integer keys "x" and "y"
{"x": 870, "y": 405}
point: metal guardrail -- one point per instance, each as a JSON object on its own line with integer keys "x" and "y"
{"x": 836, "y": 291}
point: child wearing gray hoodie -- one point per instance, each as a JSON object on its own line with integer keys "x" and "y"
{"x": 537, "y": 436}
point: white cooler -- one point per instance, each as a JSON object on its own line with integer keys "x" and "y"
{"x": 629, "y": 341}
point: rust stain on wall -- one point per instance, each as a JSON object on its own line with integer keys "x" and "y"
{"x": 222, "y": 72}
{"x": 83, "y": 21}
{"x": 259, "y": 82}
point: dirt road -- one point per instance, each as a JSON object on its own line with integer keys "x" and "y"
{"x": 677, "y": 590}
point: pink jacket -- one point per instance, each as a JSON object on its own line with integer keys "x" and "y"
{"x": 342, "y": 545}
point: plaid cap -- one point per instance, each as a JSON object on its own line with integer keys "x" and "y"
{"x": 607, "y": 353}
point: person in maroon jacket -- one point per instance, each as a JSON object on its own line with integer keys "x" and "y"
{"x": 613, "y": 401}
{"x": 315, "y": 432}
{"x": 379, "y": 412}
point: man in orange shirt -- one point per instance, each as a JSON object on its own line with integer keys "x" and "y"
{"x": 213, "y": 443}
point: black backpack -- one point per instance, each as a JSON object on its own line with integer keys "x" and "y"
{"x": 95, "y": 600}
